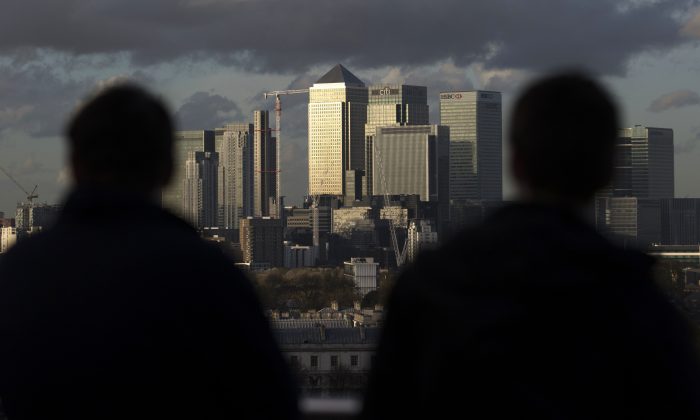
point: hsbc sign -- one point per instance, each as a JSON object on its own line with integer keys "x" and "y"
{"x": 453, "y": 96}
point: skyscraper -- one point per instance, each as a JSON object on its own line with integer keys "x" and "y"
{"x": 645, "y": 163}
{"x": 234, "y": 144}
{"x": 421, "y": 235}
{"x": 261, "y": 241}
{"x": 199, "y": 191}
{"x": 185, "y": 143}
{"x": 392, "y": 105}
{"x": 264, "y": 167}
{"x": 337, "y": 117}
{"x": 474, "y": 118}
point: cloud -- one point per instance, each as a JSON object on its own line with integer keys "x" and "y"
{"x": 689, "y": 145}
{"x": 677, "y": 99}
{"x": 206, "y": 110}
{"x": 291, "y": 36}
{"x": 691, "y": 28}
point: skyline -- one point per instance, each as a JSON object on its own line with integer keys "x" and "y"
{"x": 652, "y": 71}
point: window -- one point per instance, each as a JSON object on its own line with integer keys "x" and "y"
{"x": 314, "y": 361}
{"x": 354, "y": 360}
{"x": 294, "y": 360}
{"x": 334, "y": 361}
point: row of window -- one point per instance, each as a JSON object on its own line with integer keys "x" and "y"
{"x": 313, "y": 361}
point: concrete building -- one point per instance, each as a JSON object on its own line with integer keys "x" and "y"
{"x": 234, "y": 144}
{"x": 186, "y": 142}
{"x": 392, "y": 105}
{"x": 199, "y": 192}
{"x": 414, "y": 161}
{"x": 363, "y": 272}
{"x": 8, "y": 237}
{"x": 265, "y": 189}
{"x": 261, "y": 241}
{"x": 422, "y": 235}
{"x": 645, "y": 163}
{"x": 474, "y": 119}
{"x": 337, "y": 117}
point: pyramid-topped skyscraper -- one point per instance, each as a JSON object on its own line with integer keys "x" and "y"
{"x": 337, "y": 117}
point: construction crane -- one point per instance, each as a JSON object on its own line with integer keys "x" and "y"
{"x": 278, "y": 124}
{"x": 30, "y": 195}
{"x": 399, "y": 253}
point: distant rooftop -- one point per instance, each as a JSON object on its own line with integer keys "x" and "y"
{"x": 340, "y": 74}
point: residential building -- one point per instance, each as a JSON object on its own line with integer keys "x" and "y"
{"x": 234, "y": 144}
{"x": 35, "y": 216}
{"x": 8, "y": 237}
{"x": 261, "y": 241}
{"x": 337, "y": 117}
{"x": 199, "y": 192}
{"x": 475, "y": 122}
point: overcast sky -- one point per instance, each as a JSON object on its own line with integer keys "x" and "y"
{"x": 212, "y": 59}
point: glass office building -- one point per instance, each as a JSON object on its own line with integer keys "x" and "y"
{"x": 475, "y": 122}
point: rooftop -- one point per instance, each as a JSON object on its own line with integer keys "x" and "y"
{"x": 340, "y": 74}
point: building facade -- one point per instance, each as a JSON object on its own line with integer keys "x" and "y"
{"x": 199, "y": 190}
{"x": 262, "y": 241}
{"x": 186, "y": 142}
{"x": 475, "y": 122}
{"x": 337, "y": 117}
{"x": 412, "y": 160}
{"x": 644, "y": 163}
{"x": 8, "y": 237}
{"x": 363, "y": 272}
{"x": 234, "y": 144}
{"x": 422, "y": 235}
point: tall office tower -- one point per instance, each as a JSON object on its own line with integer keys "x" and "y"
{"x": 199, "y": 190}
{"x": 185, "y": 143}
{"x": 264, "y": 167}
{"x": 234, "y": 144}
{"x": 337, "y": 117}
{"x": 644, "y": 166}
{"x": 474, "y": 119}
{"x": 262, "y": 241}
{"x": 421, "y": 235}
{"x": 392, "y": 105}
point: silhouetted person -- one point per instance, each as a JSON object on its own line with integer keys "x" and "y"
{"x": 120, "y": 310}
{"x": 533, "y": 314}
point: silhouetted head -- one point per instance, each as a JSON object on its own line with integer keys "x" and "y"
{"x": 123, "y": 139}
{"x": 563, "y": 137}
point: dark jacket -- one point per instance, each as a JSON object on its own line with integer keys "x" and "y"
{"x": 121, "y": 311}
{"x": 532, "y": 315}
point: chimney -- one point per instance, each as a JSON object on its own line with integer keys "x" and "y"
{"x": 322, "y": 330}
{"x": 362, "y": 333}
{"x": 358, "y": 305}
{"x": 334, "y": 305}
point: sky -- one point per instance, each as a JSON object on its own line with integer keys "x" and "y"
{"x": 211, "y": 61}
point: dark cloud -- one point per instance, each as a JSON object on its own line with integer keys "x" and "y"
{"x": 285, "y": 36}
{"x": 205, "y": 110}
{"x": 677, "y": 99}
